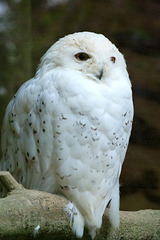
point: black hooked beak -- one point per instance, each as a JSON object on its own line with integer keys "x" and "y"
{"x": 100, "y": 74}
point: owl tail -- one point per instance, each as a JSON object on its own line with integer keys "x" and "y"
{"x": 114, "y": 207}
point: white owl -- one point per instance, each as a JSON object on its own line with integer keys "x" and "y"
{"x": 67, "y": 129}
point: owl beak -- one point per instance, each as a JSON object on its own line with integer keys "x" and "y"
{"x": 100, "y": 74}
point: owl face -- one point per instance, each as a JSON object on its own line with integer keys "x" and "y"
{"x": 90, "y": 54}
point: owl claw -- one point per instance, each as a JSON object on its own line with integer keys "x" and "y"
{"x": 76, "y": 220}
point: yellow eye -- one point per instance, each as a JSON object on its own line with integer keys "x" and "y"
{"x": 113, "y": 59}
{"x": 82, "y": 56}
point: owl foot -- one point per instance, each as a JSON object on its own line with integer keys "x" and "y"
{"x": 76, "y": 220}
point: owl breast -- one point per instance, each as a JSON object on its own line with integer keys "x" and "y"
{"x": 91, "y": 131}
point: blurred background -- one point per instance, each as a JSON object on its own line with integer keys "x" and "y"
{"x": 29, "y": 27}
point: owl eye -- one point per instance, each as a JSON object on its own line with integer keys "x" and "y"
{"x": 113, "y": 59}
{"x": 82, "y": 56}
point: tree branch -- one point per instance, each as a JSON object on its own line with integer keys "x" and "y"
{"x": 30, "y": 214}
{"x": 9, "y": 182}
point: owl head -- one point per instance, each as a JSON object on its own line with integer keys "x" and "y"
{"x": 87, "y": 53}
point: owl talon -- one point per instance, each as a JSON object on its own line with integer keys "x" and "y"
{"x": 76, "y": 220}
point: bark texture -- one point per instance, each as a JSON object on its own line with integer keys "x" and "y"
{"x": 30, "y": 214}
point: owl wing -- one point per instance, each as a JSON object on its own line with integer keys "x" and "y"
{"x": 27, "y": 138}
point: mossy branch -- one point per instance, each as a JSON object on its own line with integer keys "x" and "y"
{"x": 30, "y": 214}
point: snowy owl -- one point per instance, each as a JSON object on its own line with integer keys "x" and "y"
{"x": 67, "y": 129}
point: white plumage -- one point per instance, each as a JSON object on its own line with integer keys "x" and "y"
{"x": 67, "y": 129}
